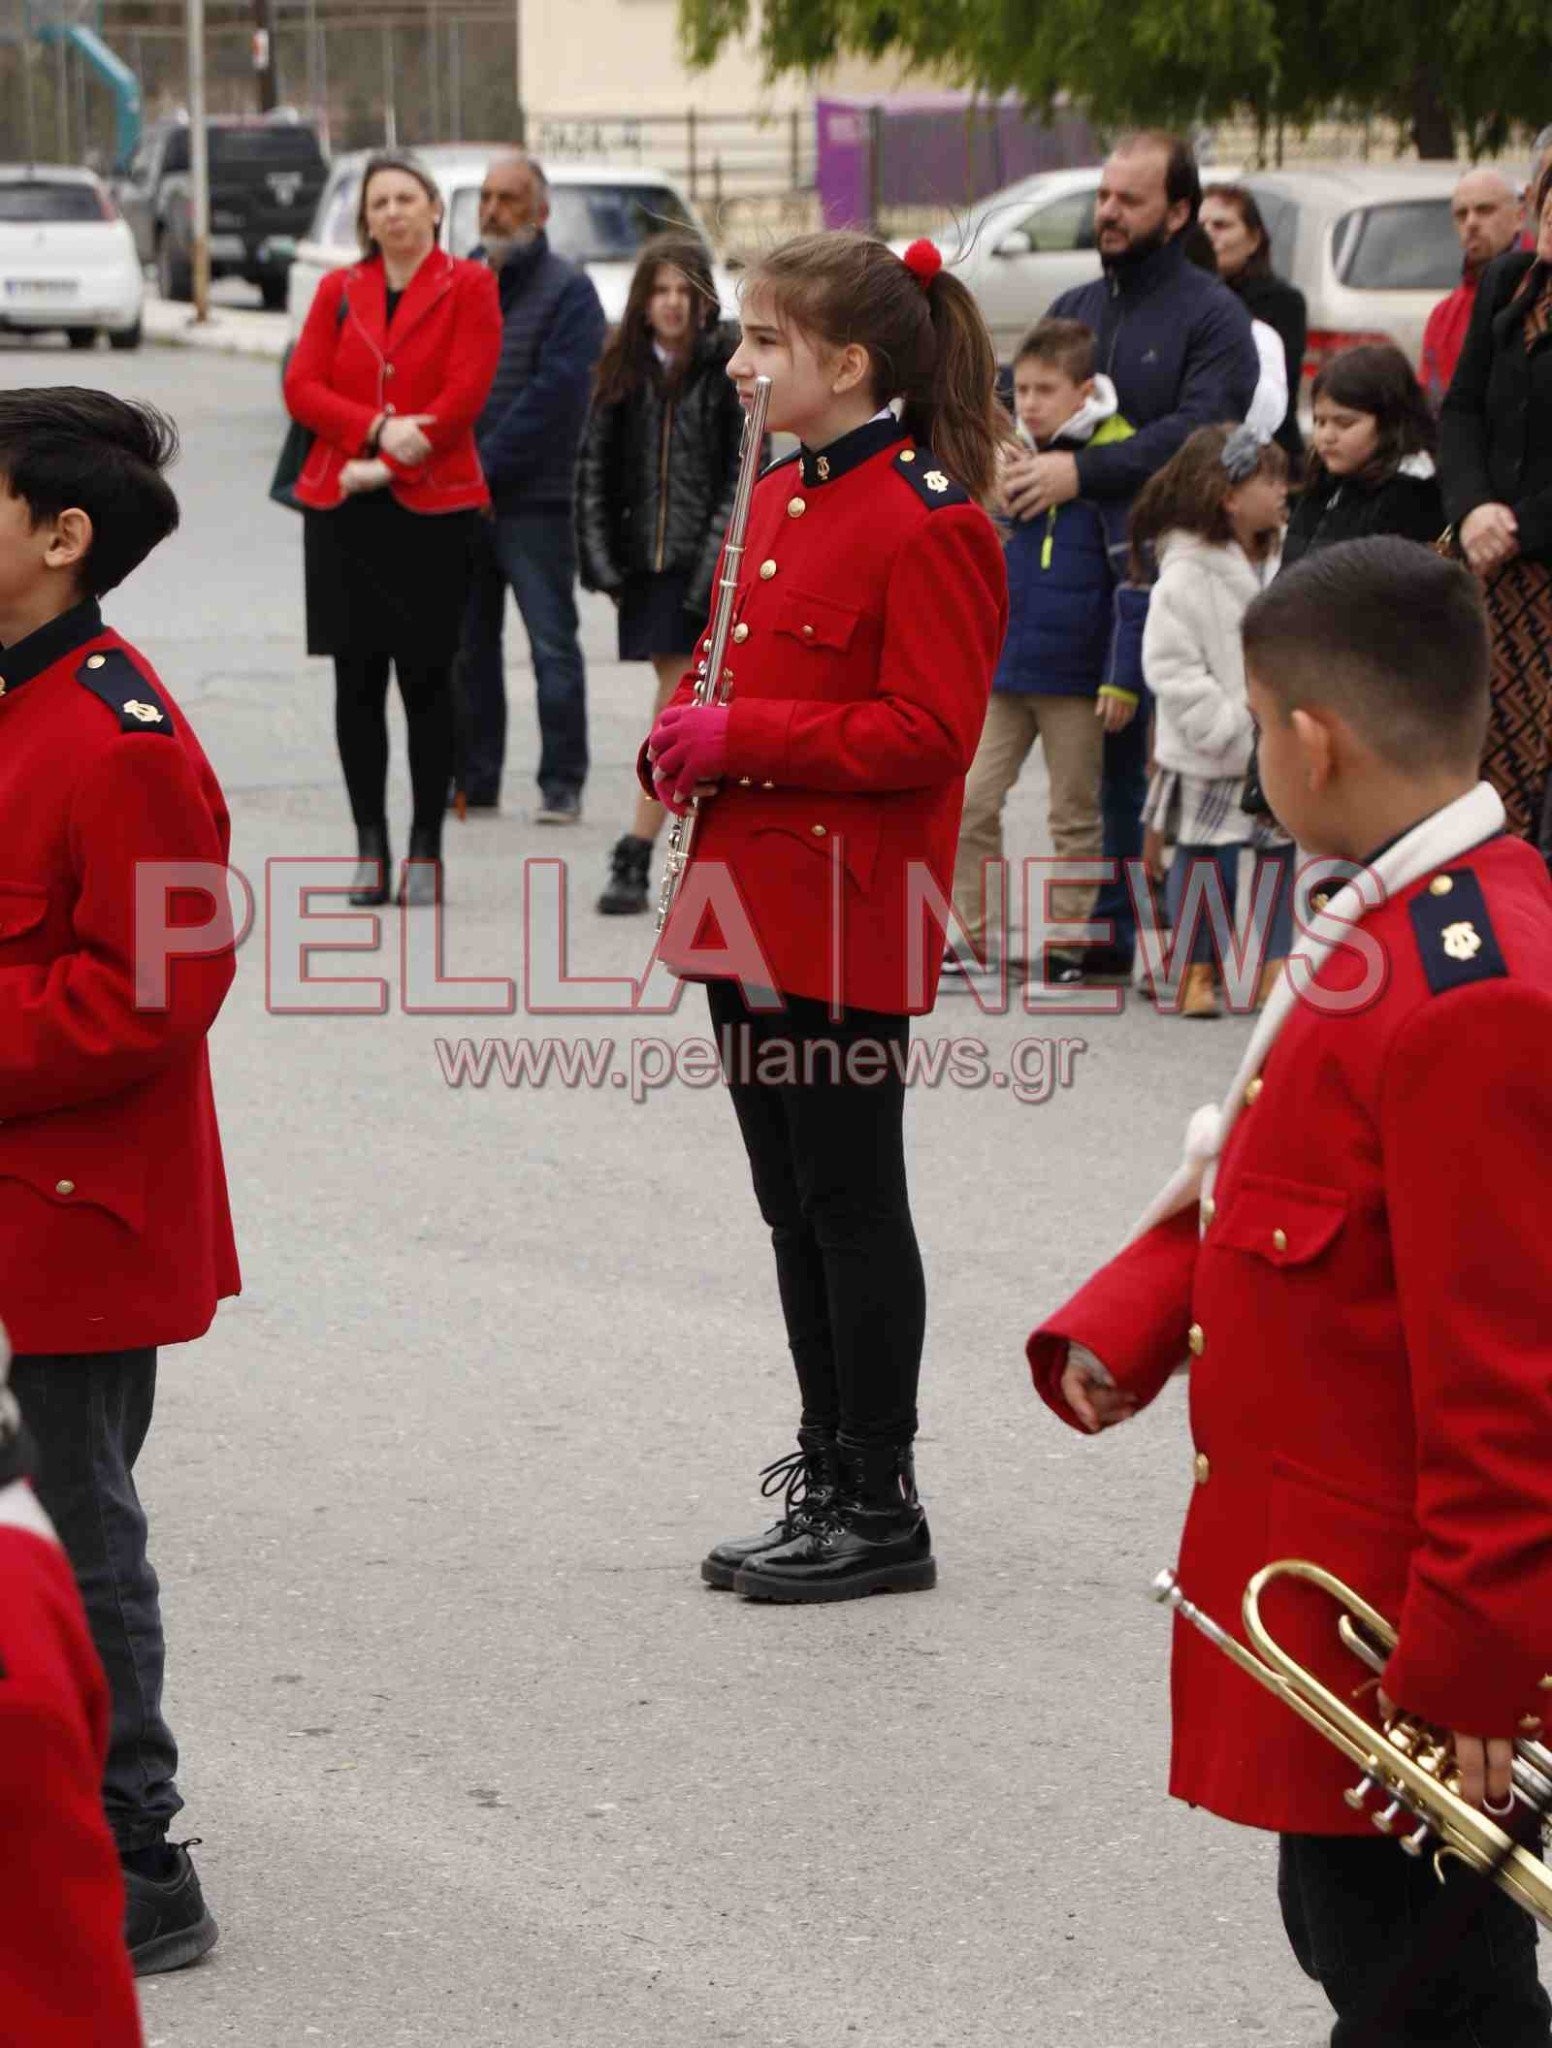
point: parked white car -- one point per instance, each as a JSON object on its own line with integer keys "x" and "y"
{"x": 67, "y": 259}
{"x": 1371, "y": 246}
{"x": 600, "y": 214}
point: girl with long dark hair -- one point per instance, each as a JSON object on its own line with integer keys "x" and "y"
{"x": 659, "y": 463}
{"x": 870, "y": 613}
{"x": 1371, "y": 466}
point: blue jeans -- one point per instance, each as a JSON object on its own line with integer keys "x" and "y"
{"x": 88, "y": 1415}
{"x": 1226, "y": 859}
{"x": 534, "y": 554}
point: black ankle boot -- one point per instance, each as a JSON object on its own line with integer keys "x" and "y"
{"x": 369, "y": 884}
{"x": 870, "y": 1537}
{"x": 629, "y": 862}
{"x": 808, "y": 1477}
{"x": 422, "y": 883}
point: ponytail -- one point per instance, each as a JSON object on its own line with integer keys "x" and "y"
{"x": 960, "y": 419}
{"x": 922, "y": 330}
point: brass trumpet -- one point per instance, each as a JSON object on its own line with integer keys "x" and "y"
{"x": 1404, "y": 1761}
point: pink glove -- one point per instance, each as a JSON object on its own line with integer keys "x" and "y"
{"x": 663, "y": 790}
{"x": 689, "y": 746}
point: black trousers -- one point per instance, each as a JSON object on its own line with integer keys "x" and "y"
{"x": 88, "y": 1415}
{"x": 361, "y": 729}
{"x": 1404, "y": 1960}
{"x": 827, "y": 1154}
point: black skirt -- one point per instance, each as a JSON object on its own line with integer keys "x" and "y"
{"x": 653, "y": 618}
{"x": 382, "y": 580}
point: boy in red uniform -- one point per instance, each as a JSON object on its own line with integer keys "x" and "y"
{"x": 115, "y": 1237}
{"x": 1354, "y": 1259}
{"x": 64, "y": 1975}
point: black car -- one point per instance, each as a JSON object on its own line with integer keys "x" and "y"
{"x": 265, "y": 178}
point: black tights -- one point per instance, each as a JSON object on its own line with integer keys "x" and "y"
{"x": 361, "y": 727}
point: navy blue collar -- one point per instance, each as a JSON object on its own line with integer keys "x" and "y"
{"x": 1148, "y": 272}
{"x": 36, "y": 651}
{"x": 828, "y": 465}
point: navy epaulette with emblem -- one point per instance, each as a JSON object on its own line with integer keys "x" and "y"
{"x": 1454, "y": 934}
{"x": 934, "y": 486}
{"x": 112, "y": 676}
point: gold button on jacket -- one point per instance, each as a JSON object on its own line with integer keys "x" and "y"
{"x": 767, "y": 571}
{"x": 1196, "y": 1340}
{"x": 1253, "y": 1088}
{"x": 1202, "y": 1468}
{"x": 64, "y": 1187}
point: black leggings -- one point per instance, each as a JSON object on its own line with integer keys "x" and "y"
{"x": 828, "y": 1160}
{"x": 361, "y": 727}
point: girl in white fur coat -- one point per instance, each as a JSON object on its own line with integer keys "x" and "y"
{"x": 1215, "y": 514}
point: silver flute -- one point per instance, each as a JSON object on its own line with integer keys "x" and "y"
{"x": 713, "y": 681}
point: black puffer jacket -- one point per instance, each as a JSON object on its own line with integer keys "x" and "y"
{"x": 1334, "y": 508}
{"x": 658, "y": 474}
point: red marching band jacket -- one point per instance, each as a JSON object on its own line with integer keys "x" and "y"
{"x": 870, "y": 615}
{"x": 1366, "y": 1300}
{"x": 114, "y": 1227}
{"x": 439, "y": 356}
{"x": 65, "y": 1978}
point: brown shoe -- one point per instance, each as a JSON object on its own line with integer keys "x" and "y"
{"x": 1199, "y": 991}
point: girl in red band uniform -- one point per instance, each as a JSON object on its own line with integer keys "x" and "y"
{"x": 868, "y": 622}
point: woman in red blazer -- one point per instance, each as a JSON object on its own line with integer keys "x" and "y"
{"x": 391, "y": 372}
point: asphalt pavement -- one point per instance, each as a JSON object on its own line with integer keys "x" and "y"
{"x": 474, "y": 1756}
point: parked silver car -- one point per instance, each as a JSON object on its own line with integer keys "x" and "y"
{"x": 1371, "y": 246}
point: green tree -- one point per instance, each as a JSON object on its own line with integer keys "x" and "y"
{"x": 1455, "y": 72}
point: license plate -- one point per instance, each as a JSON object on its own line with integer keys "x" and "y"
{"x": 41, "y": 287}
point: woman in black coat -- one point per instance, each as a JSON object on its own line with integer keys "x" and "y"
{"x": 1242, "y": 248}
{"x": 1496, "y": 458}
{"x": 1371, "y": 466}
{"x": 655, "y": 493}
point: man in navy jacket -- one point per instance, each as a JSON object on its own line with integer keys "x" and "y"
{"x": 528, "y": 438}
{"x": 1176, "y": 343}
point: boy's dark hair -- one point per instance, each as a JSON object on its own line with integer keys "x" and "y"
{"x": 1387, "y": 634}
{"x": 1376, "y": 378}
{"x": 64, "y": 447}
{"x": 1067, "y": 345}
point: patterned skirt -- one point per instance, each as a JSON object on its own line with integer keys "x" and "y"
{"x": 1517, "y": 757}
{"x": 1201, "y": 810}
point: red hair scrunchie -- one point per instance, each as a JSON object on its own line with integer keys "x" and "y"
{"x": 923, "y": 260}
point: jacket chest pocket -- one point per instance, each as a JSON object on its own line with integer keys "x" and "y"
{"x": 824, "y": 647}
{"x": 1281, "y": 1222}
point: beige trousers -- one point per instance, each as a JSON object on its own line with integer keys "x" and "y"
{"x": 1069, "y": 730}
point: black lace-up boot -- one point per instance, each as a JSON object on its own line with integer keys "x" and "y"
{"x": 630, "y": 860}
{"x": 870, "y": 1536}
{"x": 807, "y": 1480}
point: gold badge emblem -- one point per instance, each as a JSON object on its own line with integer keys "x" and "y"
{"x": 146, "y": 713}
{"x": 823, "y": 467}
{"x": 1462, "y": 941}
{"x": 935, "y": 480}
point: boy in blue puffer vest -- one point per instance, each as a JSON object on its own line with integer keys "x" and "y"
{"x": 1063, "y": 569}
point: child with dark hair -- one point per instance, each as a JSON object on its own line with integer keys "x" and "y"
{"x": 1352, "y": 1264}
{"x": 869, "y": 612}
{"x": 1063, "y": 568}
{"x": 115, "y": 1236}
{"x": 1371, "y": 466}
{"x": 655, "y": 490}
{"x": 1214, "y": 515}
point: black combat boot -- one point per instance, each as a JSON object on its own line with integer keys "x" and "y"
{"x": 629, "y": 861}
{"x": 422, "y": 883}
{"x": 808, "y": 1479}
{"x": 369, "y": 884}
{"x": 870, "y": 1537}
